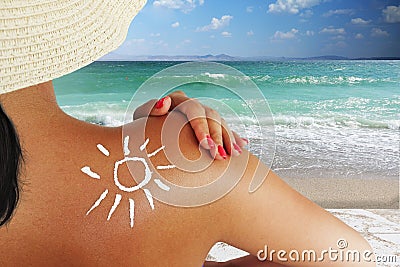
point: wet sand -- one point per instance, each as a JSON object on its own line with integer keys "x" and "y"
{"x": 349, "y": 193}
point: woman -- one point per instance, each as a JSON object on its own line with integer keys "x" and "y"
{"x": 61, "y": 218}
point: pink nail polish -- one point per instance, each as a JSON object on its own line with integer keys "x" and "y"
{"x": 222, "y": 152}
{"x": 246, "y": 140}
{"x": 237, "y": 148}
{"x": 210, "y": 142}
{"x": 160, "y": 103}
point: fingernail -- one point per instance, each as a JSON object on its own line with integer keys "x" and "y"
{"x": 246, "y": 140}
{"x": 210, "y": 142}
{"x": 160, "y": 103}
{"x": 221, "y": 151}
{"x": 237, "y": 148}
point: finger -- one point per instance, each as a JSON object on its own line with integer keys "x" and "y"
{"x": 215, "y": 128}
{"x": 239, "y": 140}
{"x": 229, "y": 140}
{"x": 200, "y": 128}
{"x": 179, "y": 92}
{"x": 153, "y": 107}
{"x": 161, "y": 107}
{"x": 178, "y": 98}
{"x": 196, "y": 115}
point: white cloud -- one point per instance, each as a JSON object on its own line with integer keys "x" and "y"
{"x": 307, "y": 14}
{"x": 226, "y": 34}
{"x": 331, "y": 30}
{"x": 155, "y": 34}
{"x": 359, "y": 36}
{"x": 216, "y": 24}
{"x": 292, "y": 6}
{"x": 175, "y": 24}
{"x": 338, "y": 12}
{"x": 285, "y": 35}
{"x": 338, "y": 38}
{"x": 360, "y": 21}
{"x": 135, "y": 41}
{"x": 309, "y": 33}
{"x": 249, "y": 9}
{"x": 250, "y": 33}
{"x": 187, "y": 41}
{"x": 376, "y": 32}
{"x": 391, "y": 14}
{"x": 160, "y": 43}
{"x": 183, "y": 5}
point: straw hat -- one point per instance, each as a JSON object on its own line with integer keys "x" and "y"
{"x": 41, "y": 40}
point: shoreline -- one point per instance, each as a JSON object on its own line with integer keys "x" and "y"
{"x": 350, "y": 193}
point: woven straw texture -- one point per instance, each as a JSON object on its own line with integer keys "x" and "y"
{"x": 41, "y": 40}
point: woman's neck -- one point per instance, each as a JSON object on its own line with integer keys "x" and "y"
{"x": 32, "y": 106}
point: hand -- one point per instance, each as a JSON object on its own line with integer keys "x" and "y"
{"x": 210, "y": 129}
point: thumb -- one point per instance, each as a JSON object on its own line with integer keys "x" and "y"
{"x": 153, "y": 108}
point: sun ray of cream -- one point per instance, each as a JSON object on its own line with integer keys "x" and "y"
{"x": 149, "y": 198}
{"x": 117, "y": 200}
{"x": 89, "y": 172}
{"x": 98, "y": 201}
{"x": 126, "y": 146}
{"x": 147, "y": 178}
{"x": 167, "y": 167}
{"x": 103, "y": 150}
{"x": 155, "y": 152}
{"x": 162, "y": 185}
{"x": 142, "y": 147}
{"x": 132, "y": 211}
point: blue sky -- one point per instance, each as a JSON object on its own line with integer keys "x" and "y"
{"x": 290, "y": 28}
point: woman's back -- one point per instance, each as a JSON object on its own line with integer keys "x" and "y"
{"x": 50, "y": 226}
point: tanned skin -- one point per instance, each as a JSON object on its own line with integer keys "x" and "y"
{"x": 50, "y": 226}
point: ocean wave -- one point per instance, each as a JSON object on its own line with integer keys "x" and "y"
{"x": 266, "y": 79}
{"x": 113, "y": 114}
{"x": 214, "y": 75}
{"x": 204, "y": 77}
{"x": 339, "y": 121}
{"x": 321, "y": 150}
{"x": 101, "y": 113}
{"x": 320, "y": 80}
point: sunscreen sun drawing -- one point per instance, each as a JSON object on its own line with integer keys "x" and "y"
{"x": 147, "y": 178}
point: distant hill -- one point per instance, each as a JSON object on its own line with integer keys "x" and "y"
{"x": 117, "y": 57}
{"x": 329, "y": 57}
{"x": 377, "y": 58}
{"x": 223, "y": 57}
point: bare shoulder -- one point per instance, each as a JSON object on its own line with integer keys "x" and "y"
{"x": 163, "y": 192}
{"x": 145, "y": 186}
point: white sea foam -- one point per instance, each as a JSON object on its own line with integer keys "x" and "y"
{"x": 320, "y": 80}
{"x": 214, "y": 75}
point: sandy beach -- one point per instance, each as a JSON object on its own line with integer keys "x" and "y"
{"x": 349, "y": 193}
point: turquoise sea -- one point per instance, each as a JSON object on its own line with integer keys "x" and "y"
{"x": 331, "y": 118}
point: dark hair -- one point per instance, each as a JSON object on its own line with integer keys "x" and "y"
{"x": 10, "y": 163}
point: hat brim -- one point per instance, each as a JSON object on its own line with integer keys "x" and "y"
{"x": 45, "y": 40}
